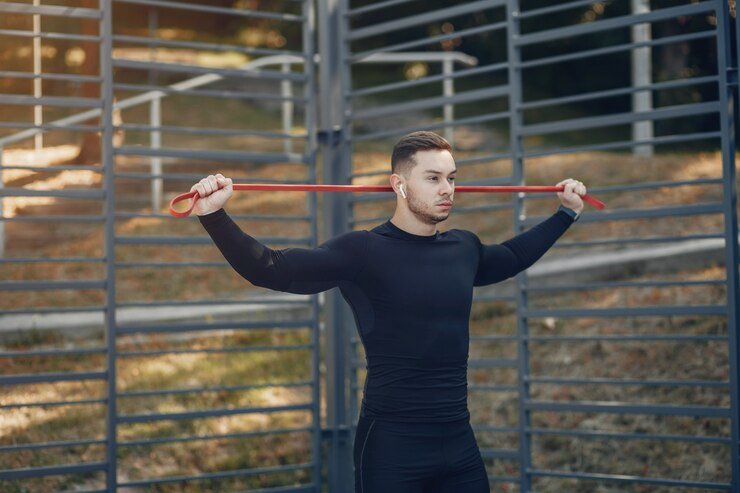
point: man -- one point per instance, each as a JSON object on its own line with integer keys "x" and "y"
{"x": 410, "y": 288}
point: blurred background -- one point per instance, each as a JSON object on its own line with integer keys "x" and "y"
{"x": 133, "y": 358}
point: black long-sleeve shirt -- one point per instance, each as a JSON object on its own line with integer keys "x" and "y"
{"x": 411, "y": 297}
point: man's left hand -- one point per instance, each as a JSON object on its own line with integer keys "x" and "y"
{"x": 570, "y": 197}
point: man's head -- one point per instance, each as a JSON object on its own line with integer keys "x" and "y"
{"x": 424, "y": 172}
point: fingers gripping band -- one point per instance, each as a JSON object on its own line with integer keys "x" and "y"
{"x": 367, "y": 188}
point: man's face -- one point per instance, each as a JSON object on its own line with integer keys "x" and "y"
{"x": 431, "y": 186}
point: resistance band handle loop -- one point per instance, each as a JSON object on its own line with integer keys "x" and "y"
{"x": 194, "y": 195}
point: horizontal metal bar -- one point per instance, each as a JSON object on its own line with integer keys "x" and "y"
{"x": 45, "y": 445}
{"x": 526, "y": 14}
{"x": 173, "y": 43}
{"x": 217, "y": 475}
{"x": 359, "y": 57}
{"x": 629, "y": 382}
{"x": 48, "y": 127}
{"x": 628, "y": 214}
{"x": 374, "y": 6}
{"x": 424, "y": 18}
{"x": 622, "y": 284}
{"x": 493, "y": 363}
{"x": 53, "y": 10}
{"x": 217, "y": 10}
{"x": 198, "y": 240}
{"x": 190, "y": 327}
{"x": 393, "y": 86}
{"x": 493, "y": 338}
{"x": 51, "y": 260}
{"x": 627, "y": 241}
{"x": 55, "y": 168}
{"x": 236, "y": 217}
{"x": 629, "y": 312}
{"x": 51, "y": 352}
{"x": 625, "y": 144}
{"x": 623, "y": 478}
{"x": 608, "y": 50}
{"x": 629, "y": 338}
{"x": 611, "y": 120}
{"x": 627, "y": 436}
{"x": 60, "y": 101}
{"x": 49, "y": 76}
{"x": 170, "y": 265}
{"x": 65, "y": 194}
{"x": 50, "y": 285}
{"x": 671, "y": 84}
{"x": 37, "y": 472}
{"x": 499, "y": 453}
{"x": 211, "y": 93}
{"x": 55, "y": 219}
{"x": 196, "y": 69}
{"x": 204, "y": 131}
{"x": 236, "y": 349}
{"x": 61, "y": 309}
{"x": 52, "y": 377}
{"x": 434, "y": 102}
{"x": 47, "y": 35}
{"x": 54, "y": 403}
{"x": 217, "y": 155}
{"x": 435, "y": 125}
{"x": 649, "y": 185}
{"x": 625, "y": 408}
{"x": 493, "y": 388}
{"x": 293, "y": 300}
{"x": 613, "y": 23}
{"x": 304, "y": 488}
{"x": 246, "y": 434}
{"x": 208, "y": 413}
{"x": 221, "y": 388}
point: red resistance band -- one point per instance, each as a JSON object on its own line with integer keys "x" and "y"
{"x": 365, "y": 188}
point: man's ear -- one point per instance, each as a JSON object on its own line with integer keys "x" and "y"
{"x": 396, "y": 181}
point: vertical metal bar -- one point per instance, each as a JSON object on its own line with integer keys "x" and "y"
{"x": 106, "y": 66}
{"x": 2, "y": 205}
{"x": 331, "y": 48}
{"x": 309, "y": 115}
{"x": 286, "y": 91}
{"x": 448, "y": 90}
{"x": 642, "y": 102}
{"x": 517, "y": 153}
{"x": 727, "y": 94}
{"x": 38, "y": 115}
{"x": 155, "y": 140}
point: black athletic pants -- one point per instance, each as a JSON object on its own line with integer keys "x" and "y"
{"x": 396, "y": 457}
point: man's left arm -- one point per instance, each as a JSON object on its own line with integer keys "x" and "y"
{"x": 499, "y": 262}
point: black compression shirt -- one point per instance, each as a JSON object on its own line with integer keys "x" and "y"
{"x": 411, "y": 296}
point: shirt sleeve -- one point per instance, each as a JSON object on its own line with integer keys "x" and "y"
{"x": 291, "y": 270}
{"x": 502, "y": 261}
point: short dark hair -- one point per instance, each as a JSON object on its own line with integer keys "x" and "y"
{"x": 402, "y": 159}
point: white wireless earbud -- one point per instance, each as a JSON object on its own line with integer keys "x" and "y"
{"x": 400, "y": 189}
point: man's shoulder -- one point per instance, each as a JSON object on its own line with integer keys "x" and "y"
{"x": 464, "y": 234}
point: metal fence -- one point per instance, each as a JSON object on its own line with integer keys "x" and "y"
{"x": 573, "y": 372}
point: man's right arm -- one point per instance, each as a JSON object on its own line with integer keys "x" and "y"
{"x": 292, "y": 270}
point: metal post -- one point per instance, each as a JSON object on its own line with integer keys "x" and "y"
{"x": 2, "y": 200}
{"x": 642, "y": 101}
{"x": 286, "y": 91}
{"x": 106, "y": 72}
{"x": 448, "y": 90}
{"x": 517, "y": 156}
{"x": 727, "y": 94}
{"x": 38, "y": 117}
{"x": 155, "y": 140}
{"x": 336, "y": 210}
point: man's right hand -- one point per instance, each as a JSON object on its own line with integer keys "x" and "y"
{"x": 214, "y": 192}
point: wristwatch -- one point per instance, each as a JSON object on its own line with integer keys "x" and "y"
{"x": 575, "y": 215}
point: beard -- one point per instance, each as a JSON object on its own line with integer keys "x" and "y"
{"x": 424, "y": 212}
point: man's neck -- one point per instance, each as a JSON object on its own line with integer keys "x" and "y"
{"x": 411, "y": 224}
